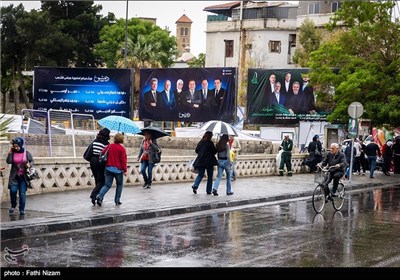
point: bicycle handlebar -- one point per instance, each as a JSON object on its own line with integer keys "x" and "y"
{"x": 327, "y": 168}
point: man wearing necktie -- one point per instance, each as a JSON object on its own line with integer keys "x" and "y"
{"x": 151, "y": 99}
{"x": 207, "y": 103}
{"x": 193, "y": 101}
{"x": 168, "y": 103}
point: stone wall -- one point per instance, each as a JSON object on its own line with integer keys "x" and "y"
{"x": 73, "y": 173}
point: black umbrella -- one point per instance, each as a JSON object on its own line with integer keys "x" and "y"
{"x": 156, "y": 132}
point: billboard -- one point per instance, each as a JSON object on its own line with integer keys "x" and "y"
{"x": 281, "y": 96}
{"x": 96, "y": 91}
{"x": 187, "y": 94}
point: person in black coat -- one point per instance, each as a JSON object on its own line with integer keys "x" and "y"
{"x": 314, "y": 153}
{"x": 97, "y": 169}
{"x": 205, "y": 160}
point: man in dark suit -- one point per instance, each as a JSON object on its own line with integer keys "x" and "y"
{"x": 276, "y": 97}
{"x": 193, "y": 101}
{"x": 168, "y": 103}
{"x": 308, "y": 95}
{"x": 287, "y": 85}
{"x": 208, "y": 103}
{"x": 219, "y": 94}
{"x": 151, "y": 101}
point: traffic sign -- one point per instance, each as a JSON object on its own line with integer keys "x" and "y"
{"x": 355, "y": 110}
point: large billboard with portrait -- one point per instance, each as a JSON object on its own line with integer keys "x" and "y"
{"x": 281, "y": 96}
{"x": 187, "y": 94}
{"x": 96, "y": 91}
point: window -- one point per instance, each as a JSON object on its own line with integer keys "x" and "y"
{"x": 313, "y": 8}
{"x": 228, "y": 48}
{"x": 183, "y": 46}
{"x": 183, "y": 40}
{"x": 275, "y": 46}
{"x": 182, "y": 31}
{"x": 186, "y": 31}
{"x": 335, "y": 6}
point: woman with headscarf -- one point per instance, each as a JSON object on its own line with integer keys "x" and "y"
{"x": 20, "y": 159}
{"x": 315, "y": 153}
{"x": 99, "y": 144}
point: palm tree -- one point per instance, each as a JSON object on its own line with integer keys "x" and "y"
{"x": 143, "y": 53}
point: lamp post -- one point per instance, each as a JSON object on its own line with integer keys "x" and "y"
{"x": 126, "y": 34}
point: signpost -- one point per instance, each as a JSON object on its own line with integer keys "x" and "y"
{"x": 355, "y": 111}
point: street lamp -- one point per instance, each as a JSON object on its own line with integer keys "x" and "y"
{"x": 126, "y": 34}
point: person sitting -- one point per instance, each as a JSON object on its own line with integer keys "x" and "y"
{"x": 335, "y": 158}
{"x": 314, "y": 154}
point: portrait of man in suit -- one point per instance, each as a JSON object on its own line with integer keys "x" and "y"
{"x": 151, "y": 100}
{"x": 220, "y": 98}
{"x": 308, "y": 95}
{"x": 193, "y": 100}
{"x": 208, "y": 102}
{"x": 167, "y": 103}
{"x": 287, "y": 85}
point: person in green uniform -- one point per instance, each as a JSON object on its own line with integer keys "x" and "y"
{"x": 286, "y": 158}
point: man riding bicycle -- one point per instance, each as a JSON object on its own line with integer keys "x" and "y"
{"x": 336, "y": 161}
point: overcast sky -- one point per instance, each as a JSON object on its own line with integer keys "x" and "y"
{"x": 166, "y": 12}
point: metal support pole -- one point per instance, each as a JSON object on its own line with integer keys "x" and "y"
{"x": 126, "y": 33}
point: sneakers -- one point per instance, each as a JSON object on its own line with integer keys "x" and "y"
{"x": 194, "y": 189}
{"x": 99, "y": 201}
{"x": 334, "y": 194}
{"x": 214, "y": 192}
{"x": 22, "y": 213}
{"x": 11, "y": 211}
{"x": 229, "y": 193}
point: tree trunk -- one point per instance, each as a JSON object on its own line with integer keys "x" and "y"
{"x": 22, "y": 88}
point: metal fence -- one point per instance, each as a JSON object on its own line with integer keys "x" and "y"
{"x": 58, "y": 122}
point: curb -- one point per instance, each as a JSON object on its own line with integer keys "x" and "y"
{"x": 73, "y": 222}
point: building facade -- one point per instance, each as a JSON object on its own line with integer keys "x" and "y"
{"x": 262, "y": 34}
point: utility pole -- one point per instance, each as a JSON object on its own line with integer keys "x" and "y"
{"x": 126, "y": 34}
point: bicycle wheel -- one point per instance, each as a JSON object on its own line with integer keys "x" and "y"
{"x": 318, "y": 198}
{"x": 339, "y": 201}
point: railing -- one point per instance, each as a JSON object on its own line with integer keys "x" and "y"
{"x": 69, "y": 173}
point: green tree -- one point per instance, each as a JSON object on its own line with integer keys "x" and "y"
{"x": 361, "y": 62}
{"x": 198, "y": 62}
{"x": 309, "y": 39}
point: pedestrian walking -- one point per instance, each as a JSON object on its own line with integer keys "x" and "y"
{"x": 205, "y": 160}
{"x": 97, "y": 169}
{"x": 20, "y": 159}
{"x": 224, "y": 164}
{"x": 148, "y": 149}
{"x": 116, "y": 167}
{"x": 372, "y": 150}
{"x": 235, "y": 147}
{"x": 286, "y": 159}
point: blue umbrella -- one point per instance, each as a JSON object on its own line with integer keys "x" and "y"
{"x": 120, "y": 124}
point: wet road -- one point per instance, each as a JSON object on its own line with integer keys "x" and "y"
{"x": 287, "y": 234}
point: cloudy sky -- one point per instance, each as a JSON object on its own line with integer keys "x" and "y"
{"x": 166, "y": 12}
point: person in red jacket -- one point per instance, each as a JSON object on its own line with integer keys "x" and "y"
{"x": 116, "y": 167}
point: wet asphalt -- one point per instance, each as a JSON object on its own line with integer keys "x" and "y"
{"x": 69, "y": 210}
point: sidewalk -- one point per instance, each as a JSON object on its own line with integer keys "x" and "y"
{"x": 60, "y": 211}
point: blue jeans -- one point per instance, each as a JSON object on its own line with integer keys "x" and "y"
{"x": 224, "y": 165}
{"x": 21, "y": 188}
{"x": 109, "y": 177}
{"x": 200, "y": 175}
{"x": 145, "y": 164}
{"x": 372, "y": 165}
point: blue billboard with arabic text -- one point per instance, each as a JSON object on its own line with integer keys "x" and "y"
{"x": 96, "y": 91}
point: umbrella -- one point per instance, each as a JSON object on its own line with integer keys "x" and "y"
{"x": 219, "y": 127}
{"x": 120, "y": 124}
{"x": 156, "y": 132}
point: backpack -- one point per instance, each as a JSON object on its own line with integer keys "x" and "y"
{"x": 87, "y": 155}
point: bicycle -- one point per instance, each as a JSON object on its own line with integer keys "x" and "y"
{"x": 319, "y": 198}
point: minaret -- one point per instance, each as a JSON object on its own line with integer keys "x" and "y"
{"x": 183, "y": 33}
